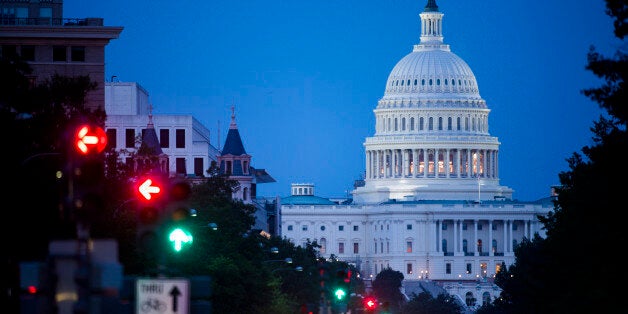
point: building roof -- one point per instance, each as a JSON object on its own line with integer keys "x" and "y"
{"x": 233, "y": 143}
{"x": 306, "y": 200}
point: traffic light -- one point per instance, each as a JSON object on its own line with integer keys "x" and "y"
{"x": 152, "y": 199}
{"x": 370, "y": 303}
{"x": 179, "y": 234}
{"x": 341, "y": 282}
{"x": 87, "y": 171}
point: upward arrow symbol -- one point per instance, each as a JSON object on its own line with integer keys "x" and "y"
{"x": 175, "y": 293}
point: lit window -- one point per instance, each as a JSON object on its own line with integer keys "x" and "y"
{"x": 409, "y": 247}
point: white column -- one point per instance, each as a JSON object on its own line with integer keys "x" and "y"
{"x": 490, "y": 237}
{"x": 447, "y": 163}
{"x": 505, "y": 236}
{"x": 425, "y": 162}
{"x": 475, "y": 237}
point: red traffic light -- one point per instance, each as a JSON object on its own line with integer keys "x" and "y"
{"x": 370, "y": 303}
{"x": 149, "y": 189}
{"x": 90, "y": 139}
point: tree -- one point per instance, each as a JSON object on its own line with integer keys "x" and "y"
{"x": 386, "y": 287}
{"x": 563, "y": 272}
{"x": 425, "y": 303}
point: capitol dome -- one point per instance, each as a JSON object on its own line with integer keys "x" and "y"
{"x": 432, "y": 139}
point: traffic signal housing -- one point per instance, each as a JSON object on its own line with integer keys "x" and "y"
{"x": 150, "y": 190}
{"x": 87, "y": 171}
{"x": 180, "y": 227}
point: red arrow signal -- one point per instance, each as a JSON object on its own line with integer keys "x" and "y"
{"x": 147, "y": 189}
{"x": 88, "y": 139}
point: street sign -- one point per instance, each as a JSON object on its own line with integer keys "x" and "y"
{"x": 163, "y": 296}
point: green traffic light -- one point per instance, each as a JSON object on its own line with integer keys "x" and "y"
{"x": 340, "y": 293}
{"x": 178, "y": 237}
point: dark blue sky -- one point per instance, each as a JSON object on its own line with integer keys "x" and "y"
{"x": 305, "y": 76}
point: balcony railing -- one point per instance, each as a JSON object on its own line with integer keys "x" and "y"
{"x": 45, "y": 21}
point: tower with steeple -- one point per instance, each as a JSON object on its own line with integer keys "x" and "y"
{"x": 150, "y": 157}
{"x": 236, "y": 163}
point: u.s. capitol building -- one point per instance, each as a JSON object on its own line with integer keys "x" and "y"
{"x": 431, "y": 205}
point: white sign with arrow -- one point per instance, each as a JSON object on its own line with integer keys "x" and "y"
{"x": 163, "y": 296}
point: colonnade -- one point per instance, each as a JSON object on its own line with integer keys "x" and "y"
{"x": 431, "y": 163}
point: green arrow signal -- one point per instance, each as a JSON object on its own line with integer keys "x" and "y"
{"x": 340, "y": 294}
{"x": 178, "y": 237}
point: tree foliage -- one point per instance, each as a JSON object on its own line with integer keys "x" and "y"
{"x": 425, "y": 303}
{"x": 386, "y": 287}
{"x": 563, "y": 272}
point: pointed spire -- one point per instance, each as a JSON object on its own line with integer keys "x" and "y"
{"x": 431, "y": 6}
{"x": 233, "y": 123}
{"x": 150, "y": 142}
{"x": 233, "y": 143}
{"x": 150, "y": 117}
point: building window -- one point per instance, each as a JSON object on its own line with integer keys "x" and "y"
{"x": 322, "y": 228}
{"x": 245, "y": 194}
{"x": 59, "y": 53}
{"x": 494, "y": 246}
{"x": 27, "y": 53}
{"x": 341, "y": 248}
{"x": 77, "y": 53}
{"x": 444, "y": 226}
{"x": 468, "y": 268}
{"x": 381, "y": 247}
{"x": 447, "y": 268}
{"x": 479, "y": 246}
{"x": 464, "y": 226}
{"x": 444, "y": 245}
{"x": 304, "y": 228}
{"x": 514, "y": 226}
{"x": 356, "y": 248}
{"x": 290, "y": 227}
{"x": 479, "y": 226}
{"x": 323, "y": 247}
{"x": 111, "y": 139}
{"x": 409, "y": 247}
{"x": 408, "y": 227}
{"x": 180, "y": 135}
{"x": 129, "y": 138}
{"x": 409, "y": 268}
{"x": 180, "y": 166}
{"x": 164, "y": 138}
{"x": 355, "y": 228}
{"x": 198, "y": 167}
{"x": 341, "y": 228}
{"x": 45, "y": 12}
{"x": 387, "y": 246}
{"x": 464, "y": 245}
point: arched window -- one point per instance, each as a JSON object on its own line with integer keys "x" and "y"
{"x": 323, "y": 245}
{"x": 469, "y": 299}
{"x": 403, "y": 124}
{"x": 431, "y": 124}
{"x": 412, "y": 124}
{"x": 458, "y": 124}
{"x": 396, "y": 125}
{"x": 486, "y": 298}
{"x": 448, "y": 122}
{"x": 421, "y": 124}
{"x": 415, "y": 82}
{"x": 440, "y": 123}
